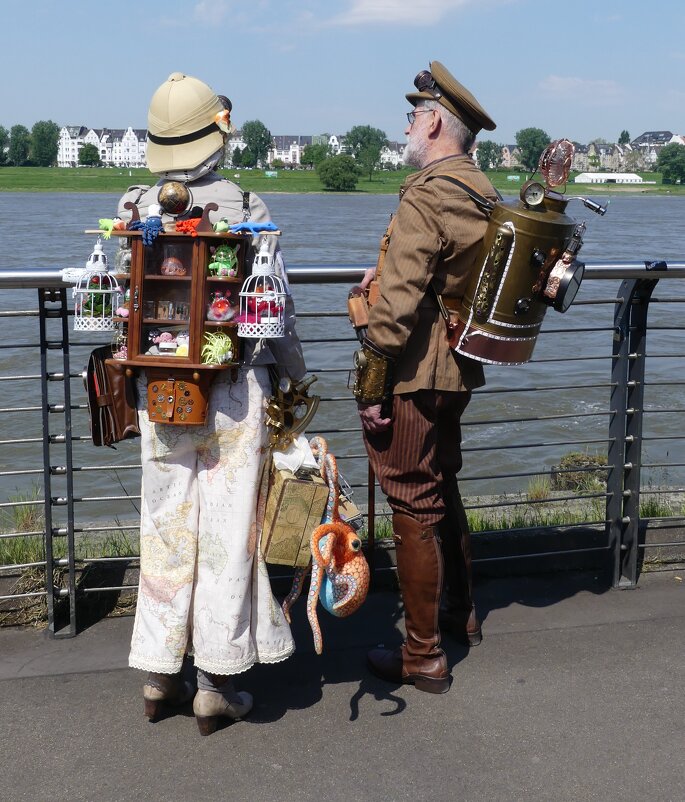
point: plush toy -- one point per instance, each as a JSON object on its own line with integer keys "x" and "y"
{"x": 221, "y": 226}
{"x": 340, "y": 573}
{"x": 107, "y": 225}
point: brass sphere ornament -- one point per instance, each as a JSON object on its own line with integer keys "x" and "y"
{"x": 174, "y": 197}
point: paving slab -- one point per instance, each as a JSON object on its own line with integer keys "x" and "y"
{"x": 576, "y": 693}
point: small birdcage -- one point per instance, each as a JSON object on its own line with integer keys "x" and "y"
{"x": 262, "y": 299}
{"x": 96, "y": 295}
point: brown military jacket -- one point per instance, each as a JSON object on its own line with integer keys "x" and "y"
{"x": 435, "y": 239}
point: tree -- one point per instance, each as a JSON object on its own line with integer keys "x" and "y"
{"x": 20, "y": 142}
{"x": 44, "y": 143}
{"x": 671, "y": 163}
{"x": 624, "y": 138}
{"x": 365, "y": 144}
{"x": 248, "y": 158}
{"x": 89, "y": 156}
{"x": 237, "y": 157}
{"x": 313, "y": 155}
{"x": 489, "y": 155}
{"x": 634, "y": 161}
{"x": 278, "y": 164}
{"x": 339, "y": 173}
{"x": 4, "y": 142}
{"x": 258, "y": 140}
{"x": 531, "y": 143}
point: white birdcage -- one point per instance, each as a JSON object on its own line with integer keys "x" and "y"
{"x": 262, "y": 299}
{"x": 96, "y": 295}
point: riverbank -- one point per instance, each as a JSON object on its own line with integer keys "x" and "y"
{"x": 117, "y": 180}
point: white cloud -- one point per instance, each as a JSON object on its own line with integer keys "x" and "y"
{"x": 211, "y": 11}
{"x": 593, "y": 92}
{"x": 398, "y": 12}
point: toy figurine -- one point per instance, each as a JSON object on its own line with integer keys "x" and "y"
{"x": 219, "y": 307}
{"x": 182, "y": 343}
{"x": 221, "y": 226}
{"x": 172, "y": 266}
{"x": 224, "y": 262}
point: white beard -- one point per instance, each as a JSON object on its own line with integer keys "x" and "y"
{"x": 414, "y": 154}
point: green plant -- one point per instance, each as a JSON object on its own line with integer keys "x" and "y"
{"x": 217, "y": 348}
{"x": 655, "y": 507}
{"x": 539, "y": 488}
{"x": 580, "y": 472}
{"x": 24, "y": 512}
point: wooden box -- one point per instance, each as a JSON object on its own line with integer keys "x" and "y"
{"x": 294, "y": 508}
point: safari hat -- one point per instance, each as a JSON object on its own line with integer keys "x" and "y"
{"x": 182, "y": 123}
{"x": 439, "y": 84}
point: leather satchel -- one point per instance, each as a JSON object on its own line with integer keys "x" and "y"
{"x": 111, "y": 399}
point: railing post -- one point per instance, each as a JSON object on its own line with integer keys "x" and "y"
{"x": 55, "y": 594}
{"x": 625, "y": 428}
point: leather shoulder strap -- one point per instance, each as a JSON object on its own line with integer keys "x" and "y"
{"x": 480, "y": 200}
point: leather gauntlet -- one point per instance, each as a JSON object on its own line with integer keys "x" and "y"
{"x": 373, "y": 374}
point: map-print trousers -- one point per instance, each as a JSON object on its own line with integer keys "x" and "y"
{"x": 204, "y": 588}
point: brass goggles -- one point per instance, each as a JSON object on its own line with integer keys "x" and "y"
{"x": 425, "y": 82}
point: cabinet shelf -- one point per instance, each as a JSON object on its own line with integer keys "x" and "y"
{"x": 172, "y": 361}
{"x": 157, "y": 277}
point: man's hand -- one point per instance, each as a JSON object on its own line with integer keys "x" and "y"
{"x": 372, "y": 418}
{"x": 368, "y": 277}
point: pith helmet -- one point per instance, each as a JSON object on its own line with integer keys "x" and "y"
{"x": 182, "y": 124}
{"x": 439, "y": 84}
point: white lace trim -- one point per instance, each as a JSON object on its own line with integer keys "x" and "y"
{"x": 146, "y": 663}
{"x": 242, "y": 666}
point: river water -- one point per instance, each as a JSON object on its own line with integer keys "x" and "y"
{"x": 46, "y": 230}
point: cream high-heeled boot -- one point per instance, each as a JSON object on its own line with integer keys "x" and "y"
{"x": 216, "y": 698}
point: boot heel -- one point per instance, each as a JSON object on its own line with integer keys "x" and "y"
{"x": 153, "y": 709}
{"x": 430, "y": 685}
{"x": 207, "y": 724}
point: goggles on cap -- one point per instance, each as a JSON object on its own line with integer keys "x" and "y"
{"x": 425, "y": 82}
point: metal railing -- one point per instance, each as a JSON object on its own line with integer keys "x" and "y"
{"x": 80, "y": 495}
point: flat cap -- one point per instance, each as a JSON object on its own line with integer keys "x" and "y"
{"x": 439, "y": 84}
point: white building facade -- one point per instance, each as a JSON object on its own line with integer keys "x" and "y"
{"x": 122, "y": 147}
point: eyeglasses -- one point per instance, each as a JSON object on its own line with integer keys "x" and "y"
{"x": 425, "y": 82}
{"x": 411, "y": 115}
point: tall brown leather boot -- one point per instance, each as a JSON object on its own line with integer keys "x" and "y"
{"x": 420, "y": 660}
{"x": 457, "y": 610}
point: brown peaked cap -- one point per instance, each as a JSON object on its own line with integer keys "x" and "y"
{"x": 456, "y": 98}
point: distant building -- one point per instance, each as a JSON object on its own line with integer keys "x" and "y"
{"x": 124, "y": 147}
{"x": 288, "y": 149}
{"x": 650, "y": 143}
{"x": 511, "y": 156}
{"x": 580, "y": 158}
{"x": 608, "y": 178}
{"x": 391, "y": 155}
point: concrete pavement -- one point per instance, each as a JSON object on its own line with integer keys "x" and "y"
{"x": 576, "y": 693}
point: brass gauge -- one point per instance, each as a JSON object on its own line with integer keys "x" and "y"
{"x": 532, "y": 193}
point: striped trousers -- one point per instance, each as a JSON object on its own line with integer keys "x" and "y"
{"x": 417, "y": 459}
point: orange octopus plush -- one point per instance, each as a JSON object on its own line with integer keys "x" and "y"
{"x": 340, "y": 573}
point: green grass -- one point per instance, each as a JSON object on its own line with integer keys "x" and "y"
{"x": 117, "y": 180}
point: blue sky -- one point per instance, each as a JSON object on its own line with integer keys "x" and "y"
{"x": 576, "y": 69}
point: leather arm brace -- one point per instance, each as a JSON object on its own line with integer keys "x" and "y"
{"x": 373, "y": 374}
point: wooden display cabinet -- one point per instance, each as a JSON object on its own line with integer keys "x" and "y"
{"x": 171, "y": 288}
{"x": 170, "y": 291}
